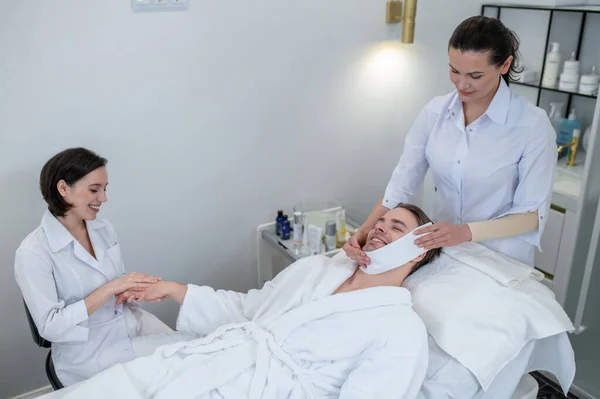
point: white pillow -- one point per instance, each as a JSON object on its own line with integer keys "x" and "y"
{"x": 479, "y": 313}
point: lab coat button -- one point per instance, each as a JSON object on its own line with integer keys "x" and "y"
{"x": 459, "y": 161}
{"x": 115, "y": 312}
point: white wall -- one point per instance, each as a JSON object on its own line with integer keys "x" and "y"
{"x": 211, "y": 120}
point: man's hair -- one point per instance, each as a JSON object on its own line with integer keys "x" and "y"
{"x": 69, "y": 165}
{"x": 422, "y": 219}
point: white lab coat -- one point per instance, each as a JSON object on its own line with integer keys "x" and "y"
{"x": 292, "y": 339}
{"x": 55, "y": 274}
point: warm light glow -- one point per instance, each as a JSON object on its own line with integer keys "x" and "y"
{"x": 381, "y": 81}
{"x": 386, "y": 67}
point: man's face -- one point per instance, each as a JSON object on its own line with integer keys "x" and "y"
{"x": 395, "y": 224}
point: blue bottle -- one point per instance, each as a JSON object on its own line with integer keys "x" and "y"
{"x": 286, "y": 228}
{"x": 565, "y": 134}
{"x": 278, "y": 221}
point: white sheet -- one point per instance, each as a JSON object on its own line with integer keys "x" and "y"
{"x": 447, "y": 378}
{"x": 469, "y": 313}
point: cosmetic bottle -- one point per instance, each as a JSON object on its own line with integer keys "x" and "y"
{"x": 551, "y": 66}
{"x": 330, "y": 235}
{"x": 278, "y": 221}
{"x": 286, "y": 228}
{"x": 574, "y": 144}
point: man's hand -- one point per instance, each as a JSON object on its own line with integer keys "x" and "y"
{"x": 138, "y": 296}
{"x": 129, "y": 296}
{"x": 443, "y": 235}
{"x": 163, "y": 290}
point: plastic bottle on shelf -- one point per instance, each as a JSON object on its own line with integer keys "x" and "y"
{"x": 556, "y": 116}
{"x": 565, "y": 134}
{"x": 588, "y": 84}
{"x": 551, "y": 66}
{"x": 569, "y": 78}
{"x": 278, "y": 221}
{"x": 286, "y": 228}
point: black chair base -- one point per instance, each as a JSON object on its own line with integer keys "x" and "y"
{"x": 51, "y": 373}
{"x": 41, "y": 342}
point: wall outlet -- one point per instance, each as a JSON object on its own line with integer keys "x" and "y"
{"x": 159, "y": 5}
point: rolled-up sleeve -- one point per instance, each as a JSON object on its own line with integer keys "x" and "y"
{"x": 56, "y": 321}
{"x": 536, "y": 178}
{"x": 410, "y": 171}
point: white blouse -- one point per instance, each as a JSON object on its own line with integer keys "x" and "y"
{"x": 502, "y": 163}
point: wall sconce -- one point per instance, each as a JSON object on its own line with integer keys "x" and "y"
{"x": 394, "y": 14}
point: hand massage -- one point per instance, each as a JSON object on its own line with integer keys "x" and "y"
{"x": 413, "y": 307}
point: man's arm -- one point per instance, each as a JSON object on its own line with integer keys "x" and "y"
{"x": 176, "y": 291}
{"x": 204, "y": 309}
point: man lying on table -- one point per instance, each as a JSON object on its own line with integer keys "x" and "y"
{"x": 323, "y": 328}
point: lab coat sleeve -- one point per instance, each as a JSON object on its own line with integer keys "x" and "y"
{"x": 394, "y": 371}
{"x": 536, "y": 178}
{"x": 409, "y": 173}
{"x": 113, "y": 234}
{"x": 55, "y": 320}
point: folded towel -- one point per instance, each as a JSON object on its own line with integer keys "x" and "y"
{"x": 503, "y": 269}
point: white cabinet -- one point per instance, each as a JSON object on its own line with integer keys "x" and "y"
{"x": 551, "y": 240}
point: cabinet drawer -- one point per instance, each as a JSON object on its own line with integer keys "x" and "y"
{"x": 546, "y": 260}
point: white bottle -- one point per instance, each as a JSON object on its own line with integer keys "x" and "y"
{"x": 589, "y": 83}
{"x": 299, "y": 220}
{"x": 552, "y": 66}
{"x": 570, "y": 77}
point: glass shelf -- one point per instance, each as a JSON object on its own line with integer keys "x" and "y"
{"x": 537, "y": 86}
{"x": 287, "y": 248}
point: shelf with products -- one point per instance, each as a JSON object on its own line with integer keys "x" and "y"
{"x": 538, "y": 86}
{"x": 576, "y": 29}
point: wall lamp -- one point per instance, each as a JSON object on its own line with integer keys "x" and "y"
{"x": 396, "y": 13}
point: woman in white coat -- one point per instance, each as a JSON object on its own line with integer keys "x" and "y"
{"x": 71, "y": 273}
{"x": 491, "y": 153}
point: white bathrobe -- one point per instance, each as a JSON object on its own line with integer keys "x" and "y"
{"x": 291, "y": 339}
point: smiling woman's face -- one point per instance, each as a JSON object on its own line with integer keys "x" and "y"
{"x": 392, "y": 226}
{"x": 85, "y": 195}
{"x": 473, "y": 75}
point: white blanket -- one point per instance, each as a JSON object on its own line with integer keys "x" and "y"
{"x": 483, "y": 313}
{"x": 292, "y": 339}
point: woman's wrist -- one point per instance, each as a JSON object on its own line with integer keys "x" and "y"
{"x": 106, "y": 292}
{"x": 467, "y": 234}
